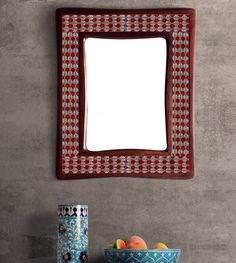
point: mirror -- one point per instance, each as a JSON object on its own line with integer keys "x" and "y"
{"x": 125, "y": 93}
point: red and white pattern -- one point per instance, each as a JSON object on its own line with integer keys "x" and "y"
{"x": 178, "y": 162}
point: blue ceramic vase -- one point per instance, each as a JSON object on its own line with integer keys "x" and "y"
{"x": 72, "y": 234}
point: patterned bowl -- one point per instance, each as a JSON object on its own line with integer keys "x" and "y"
{"x": 141, "y": 256}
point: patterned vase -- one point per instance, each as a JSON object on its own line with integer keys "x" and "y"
{"x": 72, "y": 233}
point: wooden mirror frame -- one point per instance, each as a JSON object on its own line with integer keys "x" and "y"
{"x": 177, "y": 26}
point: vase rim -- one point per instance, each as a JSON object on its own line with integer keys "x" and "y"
{"x": 71, "y": 205}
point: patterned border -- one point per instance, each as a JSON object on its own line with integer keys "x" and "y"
{"x": 180, "y": 23}
{"x": 142, "y": 256}
{"x": 72, "y": 210}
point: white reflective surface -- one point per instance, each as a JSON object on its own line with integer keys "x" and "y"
{"x": 125, "y": 93}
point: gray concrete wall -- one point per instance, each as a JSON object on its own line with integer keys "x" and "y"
{"x": 198, "y": 215}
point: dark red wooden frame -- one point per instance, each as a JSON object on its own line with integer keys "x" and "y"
{"x": 129, "y": 152}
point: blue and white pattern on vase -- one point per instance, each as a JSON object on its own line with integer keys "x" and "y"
{"x": 72, "y": 234}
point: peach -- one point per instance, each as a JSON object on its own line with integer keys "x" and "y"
{"x": 136, "y": 242}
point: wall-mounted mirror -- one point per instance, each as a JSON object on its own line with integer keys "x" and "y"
{"x": 125, "y": 93}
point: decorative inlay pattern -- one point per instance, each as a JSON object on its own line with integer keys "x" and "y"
{"x": 178, "y": 161}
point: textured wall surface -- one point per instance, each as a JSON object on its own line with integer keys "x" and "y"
{"x": 198, "y": 216}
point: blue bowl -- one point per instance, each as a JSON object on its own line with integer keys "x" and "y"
{"x": 141, "y": 255}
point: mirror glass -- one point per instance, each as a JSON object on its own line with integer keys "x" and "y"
{"x": 125, "y": 93}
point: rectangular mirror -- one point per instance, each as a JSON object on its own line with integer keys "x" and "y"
{"x": 125, "y": 93}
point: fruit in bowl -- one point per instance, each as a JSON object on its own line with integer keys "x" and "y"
{"x": 160, "y": 246}
{"x": 120, "y": 244}
{"x": 135, "y": 250}
{"x": 136, "y": 242}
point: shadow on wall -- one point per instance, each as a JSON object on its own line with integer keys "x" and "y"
{"x": 97, "y": 260}
{"x": 41, "y": 240}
